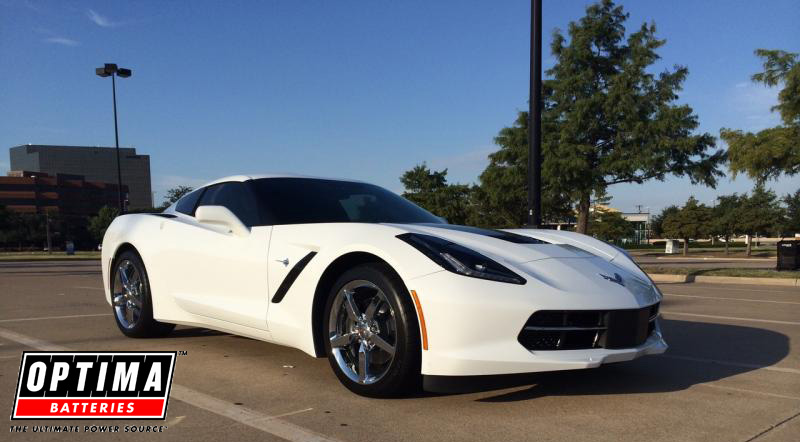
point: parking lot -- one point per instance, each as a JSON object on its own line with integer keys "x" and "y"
{"x": 732, "y": 373}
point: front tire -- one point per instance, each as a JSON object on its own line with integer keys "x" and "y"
{"x": 131, "y": 301}
{"x": 372, "y": 335}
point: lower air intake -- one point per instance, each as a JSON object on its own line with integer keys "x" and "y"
{"x": 586, "y": 329}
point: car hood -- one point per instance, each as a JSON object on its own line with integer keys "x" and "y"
{"x": 563, "y": 260}
{"x": 506, "y": 246}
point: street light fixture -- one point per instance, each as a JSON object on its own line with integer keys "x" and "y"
{"x": 111, "y": 70}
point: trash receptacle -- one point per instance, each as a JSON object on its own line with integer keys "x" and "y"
{"x": 788, "y": 255}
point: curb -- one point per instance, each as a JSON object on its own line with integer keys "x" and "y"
{"x": 783, "y": 282}
{"x": 713, "y": 258}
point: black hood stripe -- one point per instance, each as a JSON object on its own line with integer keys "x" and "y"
{"x": 497, "y": 234}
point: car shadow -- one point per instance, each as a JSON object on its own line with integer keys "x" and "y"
{"x": 694, "y": 346}
{"x": 194, "y": 332}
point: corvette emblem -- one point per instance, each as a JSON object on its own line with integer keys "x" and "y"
{"x": 615, "y": 279}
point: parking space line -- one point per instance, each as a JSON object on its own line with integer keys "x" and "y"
{"x": 269, "y": 424}
{"x": 772, "y": 427}
{"x": 744, "y": 390}
{"x": 732, "y": 299}
{"x": 777, "y": 289}
{"x": 41, "y": 318}
{"x": 732, "y": 364}
{"x": 731, "y": 318}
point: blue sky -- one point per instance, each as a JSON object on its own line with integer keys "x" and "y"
{"x": 360, "y": 89}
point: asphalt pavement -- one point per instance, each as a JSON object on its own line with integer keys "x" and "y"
{"x": 732, "y": 373}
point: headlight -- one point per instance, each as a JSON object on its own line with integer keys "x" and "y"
{"x": 459, "y": 259}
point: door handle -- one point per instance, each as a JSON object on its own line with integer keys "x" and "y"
{"x": 284, "y": 261}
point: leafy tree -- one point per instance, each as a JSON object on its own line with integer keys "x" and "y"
{"x": 503, "y": 195}
{"x": 606, "y": 120}
{"x": 611, "y": 226}
{"x": 792, "y": 202}
{"x": 769, "y": 153}
{"x": 98, "y": 224}
{"x": 758, "y": 213}
{"x": 692, "y": 221}
{"x": 174, "y": 194}
{"x": 657, "y": 223}
{"x": 429, "y": 189}
{"x": 724, "y": 218}
{"x": 6, "y": 225}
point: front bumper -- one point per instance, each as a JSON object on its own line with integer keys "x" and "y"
{"x": 472, "y": 326}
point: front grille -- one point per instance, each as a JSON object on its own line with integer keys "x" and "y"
{"x": 585, "y": 329}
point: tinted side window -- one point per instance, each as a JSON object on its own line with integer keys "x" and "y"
{"x": 187, "y": 204}
{"x": 237, "y": 198}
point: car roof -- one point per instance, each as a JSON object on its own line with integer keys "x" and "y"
{"x": 249, "y": 177}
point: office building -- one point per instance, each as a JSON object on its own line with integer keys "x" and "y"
{"x": 69, "y": 195}
{"x": 94, "y": 164}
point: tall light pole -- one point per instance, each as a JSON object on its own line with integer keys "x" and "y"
{"x": 535, "y": 119}
{"x": 111, "y": 70}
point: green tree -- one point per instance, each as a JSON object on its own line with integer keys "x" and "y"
{"x": 98, "y": 224}
{"x": 657, "y": 223}
{"x": 503, "y": 195}
{"x": 771, "y": 152}
{"x": 606, "y": 120}
{"x": 611, "y": 226}
{"x": 758, "y": 213}
{"x": 792, "y": 202}
{"x": 174, "y": 194}
{"x": 692, "y": 221}
{"x": 430, "y": 190}
{"x": 724, "y": 218}
{"x": 6, "y": 225}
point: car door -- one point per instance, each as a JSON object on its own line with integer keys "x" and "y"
{"x": 223, "y": 275}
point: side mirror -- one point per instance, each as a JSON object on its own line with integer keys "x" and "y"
{"x": 222, "y": 217}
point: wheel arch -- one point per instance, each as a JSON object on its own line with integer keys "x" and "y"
{"x": 325, "y": 283}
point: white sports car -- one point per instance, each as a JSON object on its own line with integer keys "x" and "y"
{"x": 390, "y": 293}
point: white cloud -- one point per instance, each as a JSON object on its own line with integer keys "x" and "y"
{"x": 100, "y": 20}
{"x": 61, "y": 41}
{"x": 162, "y": 183}
{"x": 464, "y": 167}
{"x": 754, "y": 103}
{"x": 165, "y": 182}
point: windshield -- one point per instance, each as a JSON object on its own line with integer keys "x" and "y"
{"x": 307, "y": 200}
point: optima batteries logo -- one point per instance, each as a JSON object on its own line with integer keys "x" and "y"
{"x": 94, "y": 385}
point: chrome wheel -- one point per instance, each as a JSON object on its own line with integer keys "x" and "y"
{"x": 128, "y": 293}
{"x": 362, "y": 331}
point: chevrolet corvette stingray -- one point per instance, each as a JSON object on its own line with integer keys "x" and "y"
{"x": 392, "y": 295}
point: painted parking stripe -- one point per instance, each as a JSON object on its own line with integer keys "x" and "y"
{"x": 268, "y": 424}
{"x": 732, "y": 364}
{"x": 733, "y": 299}
{"x": 744, "y": 390}
{"x": 42, "y": 318}
{"x": 778, "y": 289}
{"x": 731, "y": 318}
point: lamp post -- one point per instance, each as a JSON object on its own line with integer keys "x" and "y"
{"x": 535, "y": 119}
{"x": 111, "y": 70}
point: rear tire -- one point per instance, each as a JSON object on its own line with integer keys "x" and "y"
{"x": 131, "y": 301}
{"x": 371, "y": 333}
